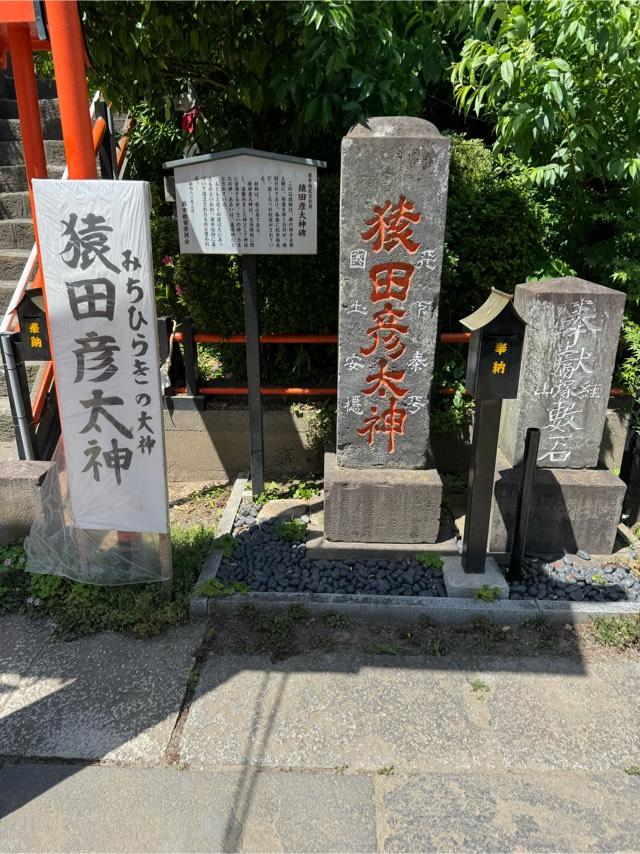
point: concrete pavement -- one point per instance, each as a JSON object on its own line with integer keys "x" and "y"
{"x": 318, "y": 752}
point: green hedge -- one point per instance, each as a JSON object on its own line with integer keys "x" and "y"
{"x": 495, "y": 236}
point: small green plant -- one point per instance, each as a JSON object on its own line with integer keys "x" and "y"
{"x": 209, "y": 496}
{"x": 386, "y": 771}
{"x": 217, "y": 587}
{"x": 436, "y": 647}
{"x": 619, "y": 632}
{"x": 598, "y": 578}
{"x": 293, "y": 531}
{"x": 392, "y": 649}
{"x": 487, "y": 593}
{"x": 479, "y": 688}
{"x": 336, "y": 621}
{"x": 537, "y": 623}
{"x": 271, "y": 491}
{"x": 192, "y": 679}
{"x": 633, "y": 770}
{"x": 340, "y": 769}
{"x": 225, "y": 543}
{"x": 306, "y": 489}
{"x": 279, "y": 629}
{"x": 430, "y": 559}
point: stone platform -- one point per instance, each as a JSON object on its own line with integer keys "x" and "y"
{"x": 572, "y": 509}
{"x": 465, "y": 585}
{"x": 374, "y": 505}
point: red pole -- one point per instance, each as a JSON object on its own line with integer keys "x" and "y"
{"x": 67, "y": 49}
{"x": 28, "y": 109}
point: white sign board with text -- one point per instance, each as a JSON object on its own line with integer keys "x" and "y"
{"x": 95, "y": 244}
{"x": 247, "y": 205}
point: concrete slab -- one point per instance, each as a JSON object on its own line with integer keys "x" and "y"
{"x": 108, "y": 696}
{"x": 322, "y": 711}
{"x": 465, "y": 585}
{"x": 49, "y": 808}
{"x": 75, "y": 808}
{"x": 283, "y": 510}
{"x": 510, "y": 812}
{"x": 565, "y": 718}
{"x": 22, "y": 641}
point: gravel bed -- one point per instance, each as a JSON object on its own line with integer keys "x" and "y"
{"x": 582, "y": 581}
{"x": 266, "y": 562}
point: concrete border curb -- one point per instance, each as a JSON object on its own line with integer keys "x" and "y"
{"x": 198, "y": 605}
{"x": 441, "y": 610}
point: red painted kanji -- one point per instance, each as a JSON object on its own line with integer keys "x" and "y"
{"x": 385, "y": 379}
{"x": 391, "y": 280}
{"x": 390, "y": 226}
{"x": 390, "y": 422}
{"x": 386, "y": 332}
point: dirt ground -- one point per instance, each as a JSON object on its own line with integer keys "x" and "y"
{"x": 193, "y": 503}
{"x": 294, "y": 631}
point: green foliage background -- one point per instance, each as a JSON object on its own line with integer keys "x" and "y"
{"x": 542, "y": 99}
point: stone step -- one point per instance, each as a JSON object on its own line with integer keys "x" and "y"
{"x": 12, "y": 263}
{"x": 49, "y": 108}
{"x": 32, "y": 372}
{"x": 14, "y": 178}
{"x": 51, "y": 128}
{"x": 15, "y": 205}
{"x": 46, "y": 88}
{"x": 6, "y": 292}
{"x": 16, "y": 234}
{"x": 8, "y": 452}
{"x": 6, "y": 422}
{"x": 12, "y": 154}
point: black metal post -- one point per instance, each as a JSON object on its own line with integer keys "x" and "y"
{"x": 165, "y": 325}
{"x": 107, "y": 150}
{"x": 252, "y": 332}
{"x": 484, "y": 447}
{"x": 19, "y": 399}
{"x": 523, "y": 511}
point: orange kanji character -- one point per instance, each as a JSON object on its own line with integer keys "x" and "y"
{"x": 391, "y": 421}
{"x": 36, "y": 341}
{"x": 387, "y": 330}
{"x": 501, "y": 348}
{"x": 384, "y": 380}
{"x": 499, "y": 368}
{"x": 391, "y": 226}
{"x": 34, "y": 328}
{"x": 391, "y": 280}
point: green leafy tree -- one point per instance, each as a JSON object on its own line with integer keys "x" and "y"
{"x": 561, "y": 80}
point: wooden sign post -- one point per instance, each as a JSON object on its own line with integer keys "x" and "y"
{"x": 248, "y": 203}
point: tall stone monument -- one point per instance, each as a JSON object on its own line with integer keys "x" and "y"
{"x": 565, "y": 382}
{"x": 378, "y": 487}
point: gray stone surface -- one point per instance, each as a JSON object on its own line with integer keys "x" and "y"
{"x": 108, "y": 696}
{"x": 75, "y": 808}
{"x": 614, "y": 434}
{"x": 510, "y": 812}
{"x": 385, "y": 161}
{"x": 21, "y": 641}
{"x": 283, "y": 510}
{"x": 565, "y": 376}
{"x": 465, "y": 585}
{"x": 322, "y": 711}
{"x": 376, "y": 505}
{"x": 20, "y": 483}
{"x": 571, "y": 510}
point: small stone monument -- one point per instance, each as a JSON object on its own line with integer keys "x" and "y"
{"x": 378, "y": 487}
{"x": 565, "y": 381}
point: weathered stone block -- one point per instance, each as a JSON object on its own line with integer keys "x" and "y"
{"x": 571, "y": 509}
{"x": 20, "y": 483}
{"x": 380, "y": 505}
{"x": 392, "y": 216}
{"x": 565, "y": 375}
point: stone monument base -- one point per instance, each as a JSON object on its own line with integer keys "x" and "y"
{"x": 374, "y": 505}
{"x": 571, "y": 509}
{"x": 465, "y": 585}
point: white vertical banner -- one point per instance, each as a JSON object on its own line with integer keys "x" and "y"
{"x": 95, "y": 244}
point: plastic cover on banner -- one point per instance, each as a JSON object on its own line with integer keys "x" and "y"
{"x": 54, "y": 546}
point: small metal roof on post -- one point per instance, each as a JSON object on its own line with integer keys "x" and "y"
{"x": 239, "y": 152}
